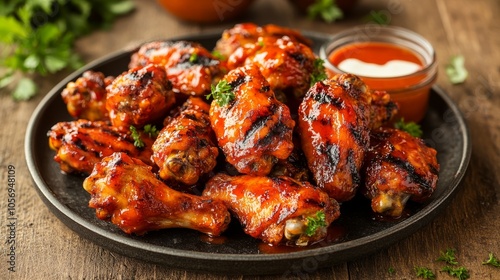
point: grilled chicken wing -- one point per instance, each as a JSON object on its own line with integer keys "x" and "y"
{"x": 190, "y": 67}
{"x": 81, "y": 144}
{"x": 334, "y": 125}
{"x": 139, "y": 96}
{"x": 245, "y": 34}
{"x": 254, "y": 129}
{"x": 277, "y": 209}
{"x": 184, "y": 149}
{"x": 398, "y": 167}
{"x": 124, "y": 190}
{"x": 86, "y": 97}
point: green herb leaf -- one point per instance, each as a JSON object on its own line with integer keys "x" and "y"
{"x": 24, "y": 90}
{"x": 222, "y": 93}
{"x": 218, "y": 55}
{"x": 314, "y": 223}
{"x": 151, "y": 130}
{"x": 456, "y": 70}
{"x": 391, "y": 270}
{"x": 326, "y": 9}
{"x": 424, "y": 272}
{"x": 380, "y": 18}
{"x": 411, "y": 127}
{"x": 193, "y": 58}
{"x": 448, "y": 257}
{"x": 492, "y": 260}
{"x": 318, "y": 73}
{"x": 136, "y": 136}
{"x": 461, "y": 272}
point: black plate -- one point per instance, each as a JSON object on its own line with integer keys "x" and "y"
{"x": 359, "y": 232}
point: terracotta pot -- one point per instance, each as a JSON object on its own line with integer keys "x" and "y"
{"x": 205, "y": 11}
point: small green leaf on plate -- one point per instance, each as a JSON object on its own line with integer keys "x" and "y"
{"x": 456, "y": 70}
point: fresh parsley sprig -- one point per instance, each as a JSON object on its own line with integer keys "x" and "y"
{"x": 316, "y": 222}
{"x": 151, "y": 130}
{"x": 424, "y": 272}
{"x": 222, "y": 93}
{"x": 448, "y": 257}
{"x": 327, "y": 10}
{"x": 492, "y": 260}
{"x": 319, "y": 73}
{"x": 455, "y": 70}
{"x": 36, "y": 37}
{"x": 411, "y": 127}
{"x": 136, "y": 136}
{"x": 461, "y": 272}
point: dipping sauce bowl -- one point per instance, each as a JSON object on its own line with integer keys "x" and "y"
{"x": 392, "y": 59}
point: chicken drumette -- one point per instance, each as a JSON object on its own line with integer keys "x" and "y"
{"x": 275, "y": 210}
{"x": 140, "y": 96}
{"x": 190, "y": 67}
{"x": 335, "y": 118}
{"x": 184, "y": 149}
{"x": 125, "y": 191}
{"x": 398, "y": 167}
{"x": 86, "y": 97}
{"x": 81, "y": 144}
{"x": 253, "y": 128}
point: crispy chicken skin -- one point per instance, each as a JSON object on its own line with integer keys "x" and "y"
{"x": 334, "y": 125}
{"x": 185, "y": 148}
{"x": 190, "y": 67}
{"x": 85, "y": 98}
{"x": 244, "y": 34}
{"x": 275, "y": 210}
{"x": 81, "y": 144}
{"x": 125, "y": 191}
{"x": 287, "y": 65}
{"x": 140, "y": 96}
{"x": 253, "y": 130}
{"x": 398, "y": 167}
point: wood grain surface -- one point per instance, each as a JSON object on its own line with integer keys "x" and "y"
{"x": 47, "y": 249}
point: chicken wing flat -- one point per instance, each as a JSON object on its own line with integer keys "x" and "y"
{"x": 190, "y": 67}
{"x": 125, "y": 191}
{"x": 184, "y": 149}
{"x": 334, "y": 126}
{"x": 139, "y": 96}
{"x": 398, "y": 167}
{"x": 245, "y": 34}
{"x": 85, "y": 98}
{"x": 275, "y": 210}
{"x": 253, "y": 129}
{"x": 81, "y": 144}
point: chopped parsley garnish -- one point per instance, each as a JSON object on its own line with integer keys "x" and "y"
{"x": 327, "y": 10}
{"x": 461, "y": 272}
{"x": 380, "y": 17}
{"x": 314, "y": 223}
{"x": 411, "y": 127}
{"x": 222, "y": 93}
{"x": 318, "y": 73}
{"x": 448, "y": 257}
{"x": 193, "y": 58}
{"x": 492, "y": 260}
{"x": 151, "y": 130}
{"x": 218, "y": 55}
{"x": 391, "y": 270}
{"x": 455, "y": 70}
{"x": 136, "y": 136}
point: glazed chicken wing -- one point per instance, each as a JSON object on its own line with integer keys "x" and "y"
{"x": 81, "y": 144}
{"x": 190, "y": 67}
{"x": 124, "y": 190}
{"x": 334, "y": 125}
{"x": 253, "y": 129}
{"x": 139, "y": 96}
{"x": 245, "y": 34}
{"x": 277, "y": 209}
{"x": 184, "y": 149}
{"x": 86, "y": 97}
{"x": 398, "y": 167}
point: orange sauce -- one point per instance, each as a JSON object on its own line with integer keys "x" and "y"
{"x": 411, "y": 91}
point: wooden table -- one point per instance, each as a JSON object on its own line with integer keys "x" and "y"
{"x": 47, "y": 249}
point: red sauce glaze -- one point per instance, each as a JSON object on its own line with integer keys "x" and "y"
{"x": 411, "y": 92}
